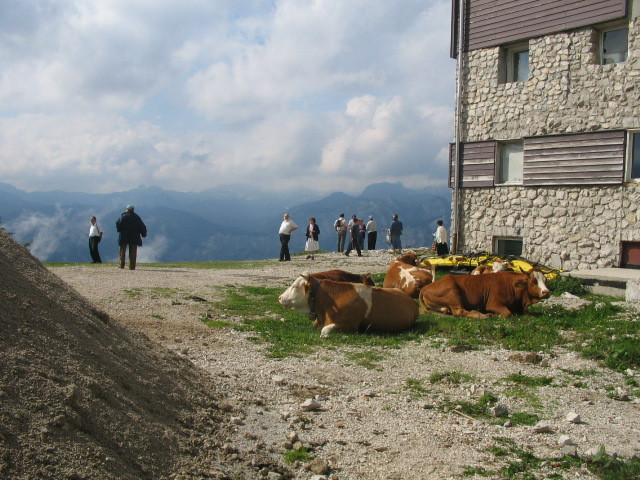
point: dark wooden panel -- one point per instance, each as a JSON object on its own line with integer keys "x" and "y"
{"x": 498, "y": 22}
{"x": 477, "y": 164}
{"x": 584, "y": 158}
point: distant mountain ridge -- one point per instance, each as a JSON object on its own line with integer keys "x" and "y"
{"x": 215, "y": 224}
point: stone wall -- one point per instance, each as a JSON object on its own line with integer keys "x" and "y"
{"x": 567, "y": 92}
{"x": 563, "y": 227}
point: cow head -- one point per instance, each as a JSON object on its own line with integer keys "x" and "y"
{"x": 500, "y": 266}
{"x": 535, "y": 284}
{"x": 296, "y": 296}
{"x": 367, "y": 280}
{"x": 410, "y": 258}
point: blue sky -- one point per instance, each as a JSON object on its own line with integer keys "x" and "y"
{"x": 103, "y": 96}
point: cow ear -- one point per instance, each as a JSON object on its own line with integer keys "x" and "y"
{"x": 520, "y": 284}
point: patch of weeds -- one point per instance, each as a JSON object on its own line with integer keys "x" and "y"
{"x": 454, "y": 378}
{"x": 210, "y": 320}
{"x": 476, "y": 471}
{"x": 588, "y": 372}
{"x": 368, "y": 359}
{"x": 617, "y": 352}
{"x": 520, "y": 379}
{"x": 523, "y": 418}
{"x": 133, "y": 292}
{"x": 567, "y": 283}
{"x": 175, "y": 302}
{"x": 613, "y": 468}
{"x": 415, "y": 388}
{"x": 480, "y": 409}
{"x": 525, "y": 393}
{"x": 521, "y": 464}
{"x": 159, "y": 317}
{"x": 297, "y": 455}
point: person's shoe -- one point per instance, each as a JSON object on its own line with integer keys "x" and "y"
{"x": 308, "y": 257}
{"x": 312, "y": 257}
{"x": 346, "y": 254}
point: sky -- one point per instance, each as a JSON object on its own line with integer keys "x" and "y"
{"x": 103, "y": 96}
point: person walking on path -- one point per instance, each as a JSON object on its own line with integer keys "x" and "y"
{"x": 441, "y": 239}
{"x": 340, "y": 225}
{"x": 354, "y": 233}
{"x": 95, "y": 235}
{"x": 312, "y": 233}
{"x": 395, "y": 230}
{"x": 131, "y": 231}
{"x": 286, "y": 228}
{"x": 372, "y": 233}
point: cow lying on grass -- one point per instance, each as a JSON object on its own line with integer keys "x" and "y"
{"x": 475, "y": 296}
{"x": 342, "y": 276}
{"x": 406, "y": 274}
{"x": 350, "y": 307}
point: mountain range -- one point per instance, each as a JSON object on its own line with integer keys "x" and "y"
{"x": 215, "y": 224}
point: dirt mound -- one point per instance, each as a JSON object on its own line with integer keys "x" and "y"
{"x": 84, "y": 398}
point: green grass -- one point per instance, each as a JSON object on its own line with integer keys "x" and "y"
{"x": 519, "y": 463}
{"x": 449, "y": 377}
{"x": 297, "y": 455}
{"x": 415, "y": 388}
{"x": 520, "y": 379}
{"x": 597, "y": 331}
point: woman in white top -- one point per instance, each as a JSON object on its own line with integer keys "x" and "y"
{"x": 441, "y": 239}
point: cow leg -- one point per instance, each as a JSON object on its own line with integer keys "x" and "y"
{"x": 461, "y": 312}
{"x": 326, "y": 330}
{"x": 499, "y": 310}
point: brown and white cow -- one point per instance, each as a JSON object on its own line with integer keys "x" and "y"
{"x": 406, "y": 274}
{"x": 475, "y": 296}
{"x": 350, "y": 307}
{"x": 342, "y": 276}
{"x": 498, "y": 266}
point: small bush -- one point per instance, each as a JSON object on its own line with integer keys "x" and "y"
{"x": 567, "y": 283}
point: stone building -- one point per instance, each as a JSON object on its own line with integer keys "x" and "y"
{"x": 548, "y": 122}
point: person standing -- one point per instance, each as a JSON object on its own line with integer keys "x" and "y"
{"x": 95, "y": 235}
{"x": 131, "y": 231}
{"x": 312, "y": 233}
{"x": 286, "y": 228}
{"x": 395, "y": 231}
{"x": 340, "y": 226}
{"x": 372, "y": 233}
{"x": 354, "y": 233}
{"x": 441, "y": 239}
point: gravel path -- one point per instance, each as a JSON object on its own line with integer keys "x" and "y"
{"x": 369, "y": 425}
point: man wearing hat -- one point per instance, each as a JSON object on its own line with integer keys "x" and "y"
{"x": 131, "y": 230}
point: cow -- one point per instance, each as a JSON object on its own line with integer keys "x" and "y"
{"x": 350, "y": 307}
{"x": 498, "y": 266}
{"x": 476, "y": 296}
{"x": 406, "y": 274}
{"x": 342, "y": 276}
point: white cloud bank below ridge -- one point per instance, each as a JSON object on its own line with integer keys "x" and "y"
{"x": 327, "y": 95}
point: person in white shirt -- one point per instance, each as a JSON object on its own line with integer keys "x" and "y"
{"x": 441, "y": 239}
{"x": 95, "y": 235}
{"x": 372, "y": 233}
{"x": 286, "y": 228}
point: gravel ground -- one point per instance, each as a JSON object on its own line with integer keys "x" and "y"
{"x": 368, "y": 425}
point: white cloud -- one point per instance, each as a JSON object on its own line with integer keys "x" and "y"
{"x": 103, "y": 96}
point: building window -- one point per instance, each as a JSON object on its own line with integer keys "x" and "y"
{"x": 634, "y": 164}
{"x": 510, "y": 163}
{"x": 515, "y": 64}
{"x": 507, "y": 246}
{"x": 614, "y": 44}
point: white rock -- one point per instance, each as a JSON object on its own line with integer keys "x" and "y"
{"x": 310, "y": 404}
{"x": 569, "y": 295}
{"x": 278, "y": 379}
{"x": 542, "y": 427}
{"x": 573, "y": 417}
{"x": 565, "y": 440}
{"x": 500, "y": 410}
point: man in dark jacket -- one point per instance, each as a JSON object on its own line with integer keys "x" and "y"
{"x": 131, "y": 229}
